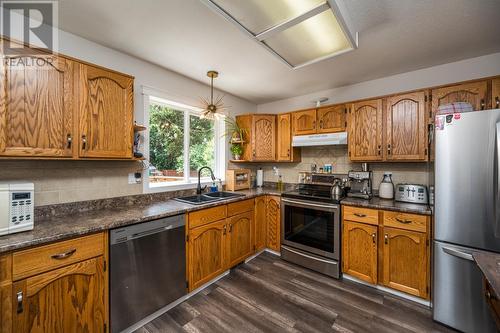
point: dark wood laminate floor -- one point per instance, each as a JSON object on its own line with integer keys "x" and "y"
{"x": 271, "y": 295}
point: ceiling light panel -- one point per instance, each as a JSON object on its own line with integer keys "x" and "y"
{"x": 298, "y": 32}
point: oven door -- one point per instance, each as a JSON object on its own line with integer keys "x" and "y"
{"x": 311, "y": 226}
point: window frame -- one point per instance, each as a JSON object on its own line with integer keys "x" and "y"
{"x": 219, "y": 151}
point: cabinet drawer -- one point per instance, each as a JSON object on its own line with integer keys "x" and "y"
{"x": 45, "y": 258}
{"x": 363, "y": 215}
{"x": 240, "y": 207}
{"x": 205, "y": 216}
{"x": 405, "y": 221}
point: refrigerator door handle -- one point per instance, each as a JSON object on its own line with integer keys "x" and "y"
{"x": 458, "y": 254}
{"x": 497, "y": 182}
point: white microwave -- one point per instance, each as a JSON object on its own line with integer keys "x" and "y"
{"x": 17, "y": 204}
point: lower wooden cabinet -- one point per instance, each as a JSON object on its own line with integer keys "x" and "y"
{"x": 241, "y": 241}
{"x": 260, "y": 223}
{"x": 207, "y": 248}
{"x": 71, "y": 296}
{"x": 394, "y": 252}
{"x": 405, "y": 261}
{"x": 359, "y": 251}
{"x": 273, "y": 223}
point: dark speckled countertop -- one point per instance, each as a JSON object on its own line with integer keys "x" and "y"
{"x": 62, "y": 226}
{"x": 489, "y": 264}
{"x": 378, "y": 203}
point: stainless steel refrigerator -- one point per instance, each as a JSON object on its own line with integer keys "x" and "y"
{"x": 467, "y": 214}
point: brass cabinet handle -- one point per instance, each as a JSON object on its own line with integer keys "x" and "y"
{"x": 379, "y": 148}
{"x": 19, "y": 297}
{"x": 386, "y": 238}
{"x": 253, "y": 153}
{"x": 482, "y": 104}
{"x": 497, "y": 101}
{"x": 84, "y": 142}
{"x": 230, "y": 227}
{"x": 359, "y": 215}
{"x": 389, "y": 149}
{"x": 224, "y": 230}
{"x": 321, "y": 124}
{"x": 403, "y": 221}
{"x": 288, "y": 153}
{"x": 69, "y": 140}
{"x": 374, "y": 237}
{"x": 64, "y": 255}
{"x": 314, "y": 123}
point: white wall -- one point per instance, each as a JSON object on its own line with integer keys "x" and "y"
{"x": 463, "y": 70}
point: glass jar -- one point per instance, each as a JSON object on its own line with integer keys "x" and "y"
{"x": 386, "y": 188}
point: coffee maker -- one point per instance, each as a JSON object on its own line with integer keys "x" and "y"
{"x": 361, "y": 183}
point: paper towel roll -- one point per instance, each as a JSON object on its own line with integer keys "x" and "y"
{"x": 260, "y": 178}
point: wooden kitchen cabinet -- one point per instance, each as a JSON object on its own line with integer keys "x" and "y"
{"x": 475, "y": 93}
{"x": 260, "y": 223}
{"x": 241, "y": 241}
{"x": 285, "y": 151}
{"x": 36, "y": 107}
{"x": 260, "y": 137}
{"x": 304, "y": 122}
{"x": 359, "y": 250}
{"x": 405, "y": 261}
{"x": 406, "y": 127}
{"x": 273, "y": 222}
{"x": 332, "y": 118}
{"x": 365, "y": 131}
{"x": 495, "y": 93}
{"x": 105, "y": 104}
{"x": 68, "y": 299}
{"x": 207, "y": 253}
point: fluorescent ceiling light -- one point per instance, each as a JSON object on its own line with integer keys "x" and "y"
{"x": 298, "y": 32}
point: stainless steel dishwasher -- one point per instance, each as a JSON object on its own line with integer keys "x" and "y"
{"x": 147, "y": 269}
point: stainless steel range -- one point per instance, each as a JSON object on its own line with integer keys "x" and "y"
{"x": 310, "y": 224}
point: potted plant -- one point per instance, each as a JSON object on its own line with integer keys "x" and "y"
{"x": 234, "y": 131}
{"x": 236, "y": 150}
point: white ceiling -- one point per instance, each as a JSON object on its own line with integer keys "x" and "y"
{"x": 185, "y": 36}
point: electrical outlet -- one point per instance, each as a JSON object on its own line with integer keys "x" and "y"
{"x": 134, "y": 178}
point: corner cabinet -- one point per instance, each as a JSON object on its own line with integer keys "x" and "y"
{"x": 105, "y": 104}
{"x": 365, "y": 131}
{"x": 285, "y": 151}
{"x": 259, "y": 137}
{"x": 406, "y": 127}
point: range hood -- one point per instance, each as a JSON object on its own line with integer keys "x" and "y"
{"x": 329, "y": 139}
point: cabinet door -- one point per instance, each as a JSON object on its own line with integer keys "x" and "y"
{"x": 304, "y": 122}
{"x": 241, "y": 242}
{"x": 207, "y": 253}
{"x": 106, "y": 113}
{"x": 405, "y": 261}
{"x": 68, "y": 299}
{"x": 273, "y": 223}
{"x": 36, "y": 106}
{"x": 260, "y": 223}
{"x": 406, "y": 127}
{"x": 474, "y": 93}
{"x": 359, "y": 247}
{"x": 365, "y": 131}
{"x": 332, "y": 119}
{"x": 264, "y": 138}
{"x": 284, "y": 152}
{"x": 495, "y": 94}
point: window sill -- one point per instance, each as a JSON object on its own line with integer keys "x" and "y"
{"x": 165, "y": 187}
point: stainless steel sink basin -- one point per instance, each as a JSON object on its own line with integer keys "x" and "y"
{"x": 224, "y": 195}
{"x": 208, "y": 197}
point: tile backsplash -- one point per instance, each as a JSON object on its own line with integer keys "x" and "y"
{"x": 337, "y": 156}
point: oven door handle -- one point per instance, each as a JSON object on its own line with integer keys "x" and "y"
{"x": 310, "y": 257}
{"x": 305, "y": 203}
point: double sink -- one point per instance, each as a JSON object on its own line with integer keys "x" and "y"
{"x": 208, "y": 197}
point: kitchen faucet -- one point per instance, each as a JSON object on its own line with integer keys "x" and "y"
{"x": 199, "y": 189}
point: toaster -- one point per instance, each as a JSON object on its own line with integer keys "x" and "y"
{"x": 413, "y": 193}
{"x": 16, "y": 207}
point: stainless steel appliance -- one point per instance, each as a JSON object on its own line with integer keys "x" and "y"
{"x": 17, "y": 204}
{"x": 361, "y": 184}
{"x": 147, "y": 269}
{"x": 310, "y": 225}
{"x": 467, "y": 215}
{"x": 413, "y": 193}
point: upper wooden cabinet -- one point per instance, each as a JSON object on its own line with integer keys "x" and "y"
{"x": 261, "y": 133}
{"x": 332, "y": 119}
{"x": 105, "y": 105}
{"x": 36, "y": 107}
{"x": 475, "y": 93}
{"x": 285, "y": 151}
{"x": 406, "y": 127}
{"x": 495, "y": 94}
{"x": 304, "y": 122}
{"x": 365, "y": 131}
